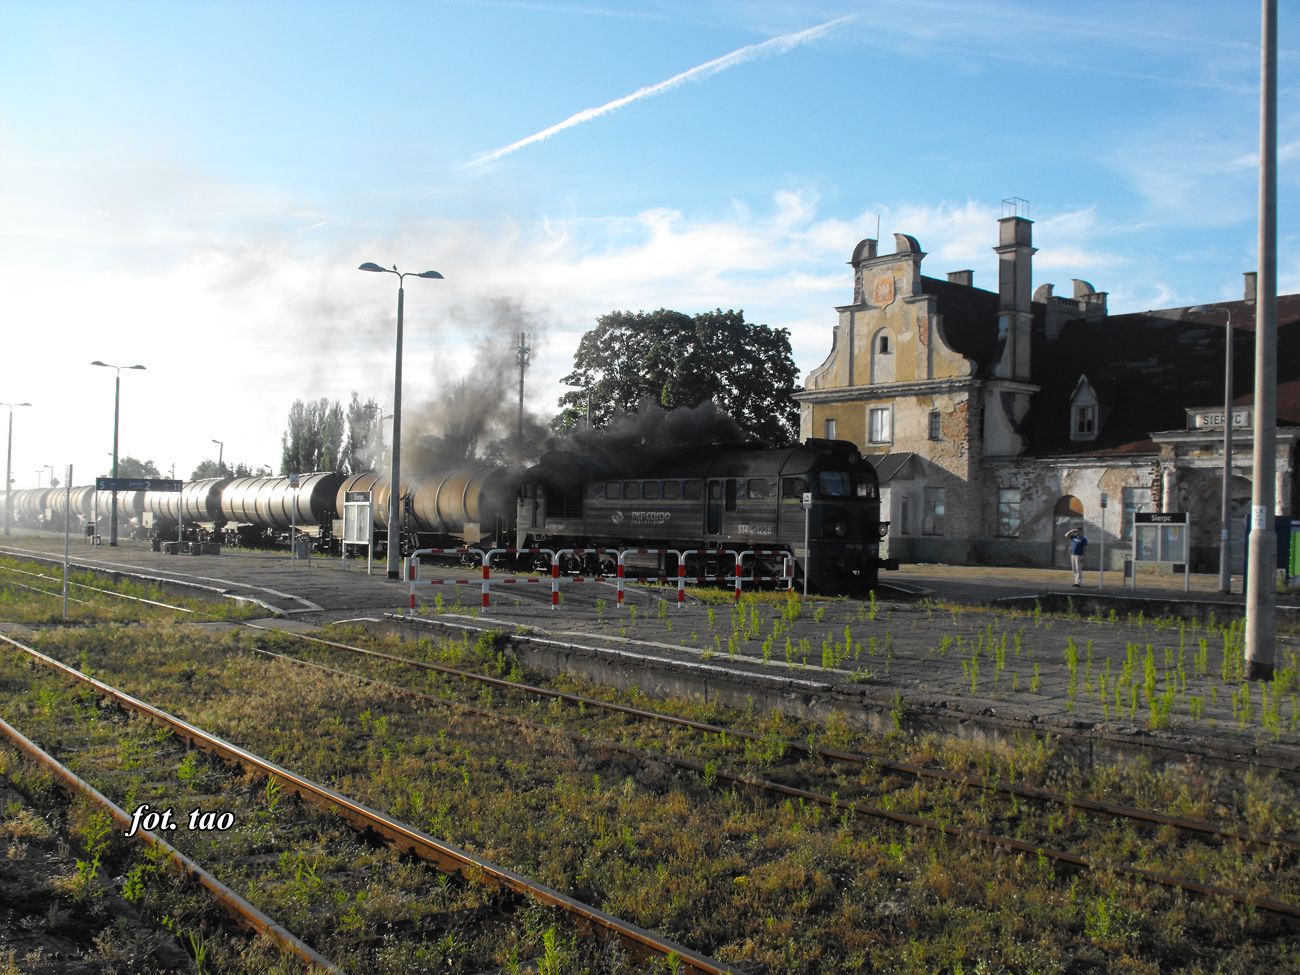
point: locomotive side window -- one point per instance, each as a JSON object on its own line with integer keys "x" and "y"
{"x": 731, "y": 493}
{"x": 756, "y": 488}
{"x": 632, "y": 490}
{"x": 692, "y": 490}
{"x": 598, "y": 490}
{"x": 793, "y": 488}
{"x": 835, "y": 484}
{"x": 650, "y": 490}
{"x": 865, "y": 489}
{"x": 672, "y": 490}
{"x": 613, "y": 490}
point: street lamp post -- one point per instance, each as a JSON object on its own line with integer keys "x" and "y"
{"x": 1225, "y": 509}
{"x": 221, "y": 449}
{"x": 9, "y": 457}
{"x": 117, "y": 399}
{"x": 50, "y": 468}
{"x": 394, "y": 491}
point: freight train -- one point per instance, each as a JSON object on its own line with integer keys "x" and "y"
{"x": 819, "y": 500}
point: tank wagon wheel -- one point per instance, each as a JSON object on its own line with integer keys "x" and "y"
{"x": 607, "y": 565}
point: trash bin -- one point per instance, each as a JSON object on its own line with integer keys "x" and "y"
{"x": 302, "y": 548}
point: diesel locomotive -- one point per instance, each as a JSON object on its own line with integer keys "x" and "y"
{"x": 821, "y": 496}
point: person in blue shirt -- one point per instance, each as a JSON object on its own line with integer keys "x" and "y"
{"x": 1078, "y": 542}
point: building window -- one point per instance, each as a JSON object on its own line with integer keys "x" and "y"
{"x": 883, "y": 344}
{"x": 1085, "y": 421}
{"x": 830, "y": 429}
{"x": 905, "y": 515}
{"x": 932, "y": 516}
{"x": 880, "y": 425}
{"x": 1135, "y": 499}
{"x": 934, "y": 425}
{"x": 1009, "y": 513}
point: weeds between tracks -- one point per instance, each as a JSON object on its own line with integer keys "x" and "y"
{"x": 779, "y": 884}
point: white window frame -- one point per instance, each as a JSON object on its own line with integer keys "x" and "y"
{"x": 1008, "y": 512}
{"x": 933, "y": 512}
{"x": 887, "y": 433}
{"x": 828, "y": 426}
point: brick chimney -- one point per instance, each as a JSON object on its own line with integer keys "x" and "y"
{"x": 1015, "y": 252}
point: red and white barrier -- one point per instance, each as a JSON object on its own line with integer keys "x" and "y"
{"x": 485, "y": 563}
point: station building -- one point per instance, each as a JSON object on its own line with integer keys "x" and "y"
{"x": 998, "y": 420}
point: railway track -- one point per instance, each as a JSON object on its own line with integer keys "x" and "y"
{"x": 448, "y": 859}
{"x": 856, "y": 760}
{"x": 832, "y": 800}
{"x": 1281, "y": 848}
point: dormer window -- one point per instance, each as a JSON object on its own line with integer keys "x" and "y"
{"x": 1085, "y": 411}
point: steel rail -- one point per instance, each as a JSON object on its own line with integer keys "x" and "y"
{"x": 965, "y": 834}
{"x": 107, "y": 592}
{"x": 1116, "y": 810}
{"x": 446, "y": 857}
{"x": 241, "y": 911}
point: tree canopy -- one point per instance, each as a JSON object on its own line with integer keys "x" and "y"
{"x": 130, "y": 467}
{"x": 679, "y": 360}
{"x": 321, "y": 436}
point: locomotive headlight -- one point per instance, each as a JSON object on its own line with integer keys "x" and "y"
{"x": 841, "y": 528}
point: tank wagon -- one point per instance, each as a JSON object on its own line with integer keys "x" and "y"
{"x": 472, "y": 505}
{"x": 711, "y": 499}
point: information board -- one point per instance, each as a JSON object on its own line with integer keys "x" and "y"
{"x": 137, "y": 484}
{"x": 1162, "y": 537}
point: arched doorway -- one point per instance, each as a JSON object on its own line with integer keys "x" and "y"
{"x": 1068, "y": 514}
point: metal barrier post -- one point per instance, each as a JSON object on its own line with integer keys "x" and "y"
{"x": 620, "y": 578}
{"x": 487, "y": 570}
{"x": 555, "y": 581}
{"x": 410, "y": 575}
{"x": 681, "y": 577}
{"x": 739, "y": 556}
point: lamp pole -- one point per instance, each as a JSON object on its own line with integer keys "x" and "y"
{"x": 394, "y": 490}
{"x": 1225, "y": 509}
{"x": 50, "y": 468}
{"x": 9, "y": 458}
{"x": 221, "y": 448}
{"x": 117, "y": 399}
{"x": 1261, "y": 554}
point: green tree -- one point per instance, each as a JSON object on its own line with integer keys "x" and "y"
{"x": 364, "y": 444}
{"x": 747, "y": 370}
{"x": 130, "y": 467}
{"x": 313, "y": 440}
{"x": 208, "y": 468}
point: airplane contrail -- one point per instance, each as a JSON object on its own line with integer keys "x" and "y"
{"x": 776, "y": 45}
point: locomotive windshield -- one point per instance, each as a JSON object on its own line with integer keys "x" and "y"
{"x": 835, "y": 484}
{"x": 842, "y": 484}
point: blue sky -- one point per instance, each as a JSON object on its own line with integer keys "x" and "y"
{"x": 191, "y": 186}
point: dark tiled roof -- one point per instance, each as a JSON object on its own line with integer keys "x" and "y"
{"x": 970, "y": 319}
{"x": 1149, "y": 368}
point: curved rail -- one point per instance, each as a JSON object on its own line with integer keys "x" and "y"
{"x": 446, "y": 857}
{"x": 240, "y": 910}
{"x": 1007, "y": 844}
{"x": 1117, "y": 810}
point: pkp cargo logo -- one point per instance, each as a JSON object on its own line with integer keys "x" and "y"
{"x": 617, "y": 517}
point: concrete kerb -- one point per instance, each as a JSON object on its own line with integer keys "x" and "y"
{"x": 875, "y": 706}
